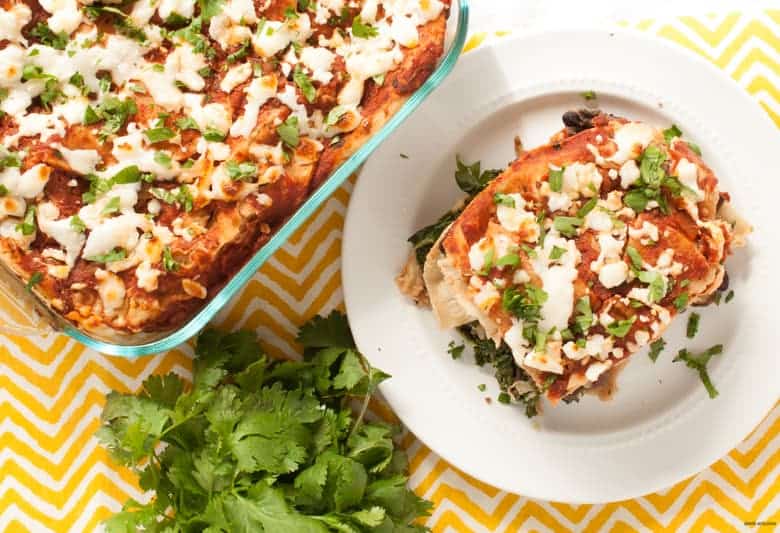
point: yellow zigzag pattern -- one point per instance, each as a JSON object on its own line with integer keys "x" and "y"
{"x": 55, "y": 477}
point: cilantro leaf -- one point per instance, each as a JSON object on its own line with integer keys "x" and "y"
{"x": 672, "y": 132}
{"x": 332, "y": 330}
{"x": 656, "y": 348}
{"x": 699, "y": 363}
{"x": 620, "y": 328}
{"x": 303, "y": 82}
{"x": 470, "y": 178}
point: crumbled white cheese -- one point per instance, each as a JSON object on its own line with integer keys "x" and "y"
{"x": 487, "y": 296}
{"x": 613, "y": 274}
{"x": 629, "y": 173}
{"x": 12, "y": 21}
{"x": 61, "y": 231}
{"x": 259, "y": 91}
{"x": 595, "y": 370}
{"x": 82, "y": 161}
{"x": 111, "y": 290}
{"x": 477, "y": 254}
{"x": 235, "y": 77}
{"x": 146, "y": 276}
{"x": 516, "y": 218}
{"x": 66, "y": 15}
{"x": 28, "y": 184}
{"x": 117, "y": 232}
{"x": 631, "y": 139}
{"x": 557, "y": 281}
{"x": 689, "y": 176}
{"x": 319, "y": 60}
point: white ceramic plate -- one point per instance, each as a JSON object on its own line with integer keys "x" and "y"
{"x": 661, "y": 426}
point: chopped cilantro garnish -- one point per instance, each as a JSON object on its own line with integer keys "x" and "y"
{"x": 655, "y": 349}
{"x": 567, "y": 225}
{"x": 481, "y": 387}
{"x": 117, "y": 254}
{"x": 362, "y": 29}
{"x": 635, "y": 258}
{"x": 588, "y": 95}
{"x": 504, "y": 398}
{"x": 241, "y": 171}
{"x": 169, "y": 263}
{"x": 77, "y": 224}
{"x": 620, "y": 328}
{"x": 181, "y": 196}
{"x": 3, "y": 190}
{"x": 113, "y": 111}
{"x": 121, "y": 20}
{"x": 681, "y": 301}
{"x": 488, "y": 263}
{"x": 556, "y": 179}
{"x": 288, "y": 131}
{"x": 503, "y": 199}
{"x": 214, "y": 135}
{"x": 636, "y": 199}
{"x": 46, "y": 36}
{"x": 584, "y": 318}
{"x": 470, "y": 178}
{"x": 587, "y": 207}
{"x": 10, "y": 159}
{"x": 34, "y": 280}
{"x": 510, "y": 259}
{"x": 112, "y": 206}
{"x": 99, "y": 186}
{"x": 557, "y": 252}
{"x": 729, "y": 296}
{"x": 27, "y": 225}
{"x": 699, "y": 363}
{"x": 455, "y": 350}
{"x": 186, "y": 123}
{"x": 290, "y": 13}
{"x": 163, "y": 158}
{"x": 303, "y": 82}
{"x": 335, "y": 114}
{"x": 240, "y": 53}
{"x": 672, "y": 132}
{"x": 693, "y": 325}
{"x": 159, "y": 134}
{"x": 657, "y": 284}
{"x": 525, "y": 303}
{"x": 695, "y": 148}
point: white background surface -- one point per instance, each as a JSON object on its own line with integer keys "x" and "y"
{"x": 534, "y": 14}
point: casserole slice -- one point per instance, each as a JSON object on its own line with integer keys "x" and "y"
{"x": 584, "y": 250}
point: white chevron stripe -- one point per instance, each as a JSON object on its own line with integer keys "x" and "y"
{"x": 13, "y": 513}
{"x": 9, "y": 427}
{"x": 311, "y": 227}
{"x": 56, "y": 513}
{"x": 312, "y": 263}
{"x": 43, "y": 476}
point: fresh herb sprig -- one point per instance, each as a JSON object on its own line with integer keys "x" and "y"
{"x": 259, "y": 445}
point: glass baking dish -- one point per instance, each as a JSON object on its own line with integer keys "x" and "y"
{"x": 23, "y": 313}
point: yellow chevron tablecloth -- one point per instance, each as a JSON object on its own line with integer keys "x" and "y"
{"x": 55, "y": 477}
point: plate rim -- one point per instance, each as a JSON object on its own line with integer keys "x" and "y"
{"x": 474, "y": 56}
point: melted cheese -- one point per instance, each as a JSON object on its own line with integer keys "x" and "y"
{"x": 235, "y": 76}
{"x": 111, "y": 290}
{"x": 12, "y": 21}
{"x": 117, "y": 232}
{"x": 61, "y": 231}
{"x": 631, "y": 140}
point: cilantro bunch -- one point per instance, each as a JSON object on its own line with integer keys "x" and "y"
{"x": 260, "y": 445}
